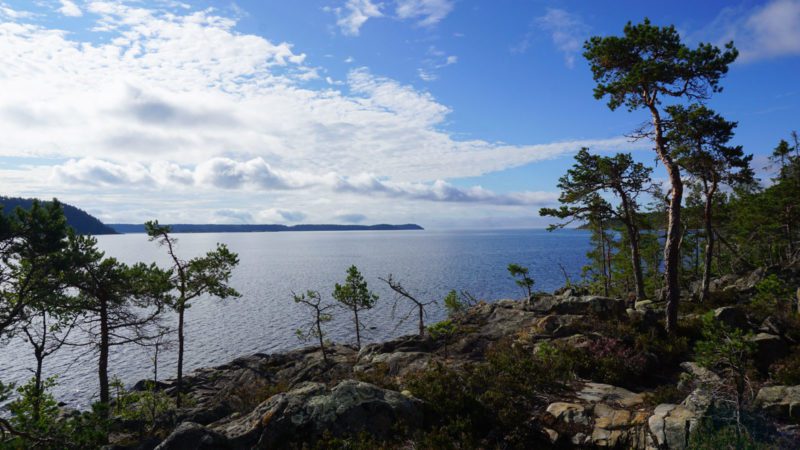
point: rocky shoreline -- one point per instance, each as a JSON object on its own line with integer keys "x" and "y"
{"x": 284, "y": 399}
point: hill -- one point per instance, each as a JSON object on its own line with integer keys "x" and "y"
{"x": 80, "y": 220}
{"x": 213, "y": 228}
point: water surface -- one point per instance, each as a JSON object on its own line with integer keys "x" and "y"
{"x": 273, "y": 265}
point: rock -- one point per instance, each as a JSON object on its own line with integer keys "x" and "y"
{"x": 671, "y": 426}
{"x": 782, "y": 402}
{"x": 769, "y": 348}
{"x": 706, "y": 381}
{"x": 593, "y": 304}
{"x": 605, "y": 393}
{"x": 203, "y": 415}
{"x": 732, "y": 316}
{"x": 552, "y": 435}
{"x": 642, "y": 305}
{"x": 148, "y": 385}
{"x": 193, "y": 436}
{"x": 569, "y": 413}
{"x": 558, "y": 325}
{"x": 614, "y": 427}
{"x": 308, "y": 411}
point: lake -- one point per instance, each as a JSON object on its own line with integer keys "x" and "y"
{"x": 273, "y": 265}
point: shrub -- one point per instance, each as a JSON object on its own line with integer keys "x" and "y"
{"x": 772, "y": 298}
{"x": 35, "y": 411}
{"x": 713, "y": 435}
{"x": 728, "y": 352}
{"x": 453, "y": 304}
{"x": 379, "y": 376}
{"x": 500, "y": 394}
{"x": 667, "y": 393}
{"x": 614, "y": 362}
{"x": 787, "y": 370}
{"x": 36, "y": 414}
{"x": 444, "y": 331}
{"x": 452, "y": 408}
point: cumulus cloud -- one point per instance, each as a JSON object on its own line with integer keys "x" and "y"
{"x": 257, "y": 175}
{"x": 567, "y": 31}
{"x": 767, "y": 31}
{"x": 426, "y": 12}
{"x": 355, "y": 14}
{"x": 70, "y": 9}
{"x": 163, "y": 103}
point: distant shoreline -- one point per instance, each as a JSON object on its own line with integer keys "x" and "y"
{"x": 128, "y": 228}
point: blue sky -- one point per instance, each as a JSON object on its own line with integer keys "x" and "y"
{"x": 449, "y": 113}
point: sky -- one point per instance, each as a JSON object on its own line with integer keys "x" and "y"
{"x": 452, "y": 114}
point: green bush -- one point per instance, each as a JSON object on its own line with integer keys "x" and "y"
{"x": 500, "y": 394}
{"x": 772, "y": 298}
{"x": 443, "y": 331}
{"x": 709, "y": 435}
{"x": 453, "y": 409}
{"x": 35, "y": 411}
{"x": 453, "y": 304}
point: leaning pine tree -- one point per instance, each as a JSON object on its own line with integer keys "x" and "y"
{"x": 641, "y": 69}
{"x": 203, "y": 275}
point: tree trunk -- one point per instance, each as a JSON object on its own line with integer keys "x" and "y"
{"x": 37, "y": 399}
{"x": 102, "y": 365}
{"x": 672, "y": 249}
{"x": 179, "y": 384}
{"x": 321, "y": 340}
{"x": 358, "y": 327}
{"x": 633, "y": 237}
{"x": 606, "y": 276}
{"x": 709, "y": 244}
{"x": 421, "y": 321}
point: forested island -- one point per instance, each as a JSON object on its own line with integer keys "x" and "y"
{"x": 80, "y": 221}
{"x": 255, "y": 228}
{"x": 683, "y": 334}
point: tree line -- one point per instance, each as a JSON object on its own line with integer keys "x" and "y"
{"x": 57, "y": 288}
{"x": 715, "y": 216}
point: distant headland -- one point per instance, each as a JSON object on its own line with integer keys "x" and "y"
{"x": 127, "y": 228}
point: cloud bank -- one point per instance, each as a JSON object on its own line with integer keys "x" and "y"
{"x": 161, "y": 102}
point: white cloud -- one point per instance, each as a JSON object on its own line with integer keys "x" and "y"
{"x": 70, "y": 9}
{"x": 426, "y": 75}
{"x": 427, "y": 12}
{"x": 169, "y": 103}
{"x": 257, "y": 175}
{"x": 768, "y": 31}
{"x": 7, "y": 12}
{"x": 567, "y": 31}
{"x": 355, "y": 15}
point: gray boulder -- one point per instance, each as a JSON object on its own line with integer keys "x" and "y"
{"x": 310, "y": 410}
{"x": 782, "y": 402}
{"x": 193, "y": 436}
{"x": 592, "y": 304}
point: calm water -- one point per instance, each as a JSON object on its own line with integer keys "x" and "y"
{"x": 274, "y": 264}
